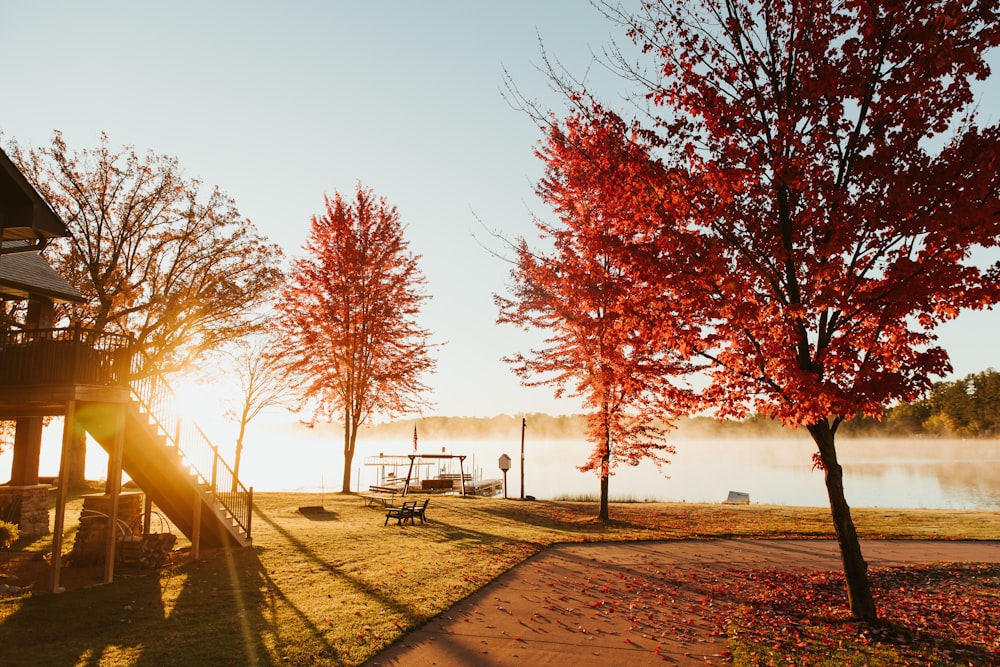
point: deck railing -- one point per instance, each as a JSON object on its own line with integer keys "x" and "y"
{"x": 77, "y": 355}
{"x": 64, "y": 356}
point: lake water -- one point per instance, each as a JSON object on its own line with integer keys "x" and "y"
{"x": 945, "y": 474}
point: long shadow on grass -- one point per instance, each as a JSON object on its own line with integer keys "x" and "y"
{"x": 562, "y": 516}
{"x": 358, "y": 585}
{"x": 439, "y": 529}
{"x": 442, "y": 531}
{"x": 204, "y": 612}
{"x": 440, "y": 525}
{"x": 216, "y": 617}
{"x": 434, "y": 530}
{"x": 80, "y": 626}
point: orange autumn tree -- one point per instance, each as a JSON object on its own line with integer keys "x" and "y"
{"x": 582, "y": 292}
{"x": 812, "y": 192}
{"x": 158, "y": 257}
{"x": 348, "y": 318}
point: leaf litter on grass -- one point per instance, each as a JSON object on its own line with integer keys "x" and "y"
{"x": 937, "y": 614}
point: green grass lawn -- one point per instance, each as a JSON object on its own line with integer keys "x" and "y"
{"x": 337, "y": 587}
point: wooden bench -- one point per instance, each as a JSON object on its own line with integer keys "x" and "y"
{"x": 421, "y": 511}
{"x": 386, "y": 495}
{"x": 405, "y": 511}
{"x": 408, "y": 511}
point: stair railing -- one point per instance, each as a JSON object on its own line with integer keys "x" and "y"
{"x": 156, "y": 397}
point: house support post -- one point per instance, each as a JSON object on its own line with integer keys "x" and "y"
{"x": 61, "y": 496}
{"x": 147, "y": 515}
{"x": 196, "y": 528}
{"x": 114, "y": 490}
{"x": 27, "y": 451}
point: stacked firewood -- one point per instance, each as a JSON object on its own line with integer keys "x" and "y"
{"x": 146, "y": 551}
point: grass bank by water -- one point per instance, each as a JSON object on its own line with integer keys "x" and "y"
{"x": 336, "y": 587}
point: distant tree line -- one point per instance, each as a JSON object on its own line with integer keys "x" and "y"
{"x": 539, "y": 426}
{"x": 965, "y": 408}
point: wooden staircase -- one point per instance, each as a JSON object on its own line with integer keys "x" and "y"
{"x": 174, "y": 483}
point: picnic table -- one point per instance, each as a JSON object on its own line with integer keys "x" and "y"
{"x": 386, "y": 495}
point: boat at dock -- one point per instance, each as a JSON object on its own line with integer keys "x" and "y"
{"x": 430, "y": 473}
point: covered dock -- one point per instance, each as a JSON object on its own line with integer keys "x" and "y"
{"x": 423, "y": 472}
{"x": 431, "y": 457}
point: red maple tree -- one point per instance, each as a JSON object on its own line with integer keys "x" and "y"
{"x": 348, "y": 317}
{"x": 811, "y": 188}
{"x": 585, "y": 295}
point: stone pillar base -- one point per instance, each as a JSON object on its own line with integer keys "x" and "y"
{"x": 88, "y": 548}
{"x": 27, "y": 506}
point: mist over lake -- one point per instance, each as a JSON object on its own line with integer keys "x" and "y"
{"x": 911, "y": 473}
{"x": 903, "y": 473}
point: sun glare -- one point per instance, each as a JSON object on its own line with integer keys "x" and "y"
{"x": 206, "y": 405}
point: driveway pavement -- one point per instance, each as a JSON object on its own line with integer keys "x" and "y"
{"x": 634, "y": 603}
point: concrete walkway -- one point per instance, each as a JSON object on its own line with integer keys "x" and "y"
{"x": 635, "y": 603}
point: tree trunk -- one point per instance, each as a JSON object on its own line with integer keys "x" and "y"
{"x": 244, "y": 419}
{"x": 236, "y": 460}
{"x": 605, "y": 460}
{"x": 605, "y": 475}
{"x": 27, "y": 450}
{"x": 350, "y": 437}
{"x": 604, "y": 516}
{"x": 859, "y": 594}
{"x": 605, "y": 463}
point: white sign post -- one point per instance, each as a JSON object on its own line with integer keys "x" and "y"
{"x": 505, "y": 466}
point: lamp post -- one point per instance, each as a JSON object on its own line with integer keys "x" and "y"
{"x": 524, "y": 425}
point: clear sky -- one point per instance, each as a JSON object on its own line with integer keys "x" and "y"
{"x": 279, "y": 103}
